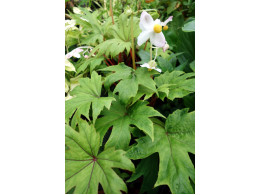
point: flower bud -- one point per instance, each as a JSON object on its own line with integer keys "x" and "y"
{"x": 166, "y": 46}
{"x": 152, "y": 64}
{"x": 155, "y": 15}
{"x": 128, "y": 11}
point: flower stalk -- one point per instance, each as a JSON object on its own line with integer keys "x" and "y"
{"x": 111, "y": 11}
{"x": 133, "y": 43}
{"x": 151, "y": 51}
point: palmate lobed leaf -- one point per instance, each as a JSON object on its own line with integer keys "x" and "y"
{"x": 86, "y": 168}
{"x": 112, "y": 47}
{"x": 121, "y": 118}
{"x": 121, "y": 37}
{"x": 176, "y": 84}
{"x": 172, "y": 142}
{"x": 91, "y": 62}
{"x": 122, "y": 29}
{"x": 86, "y": 94}
{"x": 130, "y": 81}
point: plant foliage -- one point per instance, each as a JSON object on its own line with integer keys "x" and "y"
{"x": 129, "y": 109}
{"x": 173, "y": 142}
{"x": 86, "y": 167}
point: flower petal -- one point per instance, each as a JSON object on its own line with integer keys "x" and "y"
{"x": 157, "y": 39}
{"x": 158, "y": 69}
{"x": 76, "y": 55}
{"x": 68, "y": 56}
{"x": 143, "y": 37}
{"x": 166, "y": 21}
{"x": 146, "y": 21}
{"x": 157, "y": 21}
{"x": 77, "y": 50}
{"x": 146, "y": 65}
{"x": 165, "y": 47}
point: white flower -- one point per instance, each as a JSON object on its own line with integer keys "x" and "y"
{"x": 152, "y": 29}
{"x": 77, "y": 11}
{"x": 151, "y": 66}
{"x": 70, "y": 25}
{"x": 74, "y": 53}
{"x": 69, "y": 66}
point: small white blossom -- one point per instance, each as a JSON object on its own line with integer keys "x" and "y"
{"x": 75, "y": 53}
{"x": 151, "y": 66}
{"x": 70, "y": 25}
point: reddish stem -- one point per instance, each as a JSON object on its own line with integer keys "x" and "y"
{"x": 120, "y": 59}
{"x": 131, "y": 53}
{"x": 106, "y": 63}
{"x": 153, "y": 100}
{"x": 108, "y": 60}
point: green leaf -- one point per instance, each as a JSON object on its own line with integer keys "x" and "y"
{"x": 192, "y": 66}
{"x": 168, "y": 63}
{"x": 144, "y": 55}
{"x": 122, "y": 29}
{"x": 112, "y": 47}
{"x": 172, "y": 142}
{"x": 69, "y": 66}
{"x": 182, "y": 66}
{"x": 91, "y": 62}
{"x": 121, "y": 118}
{"x": 92, "y": 39}
{"x": 179, "y": 84}
{"x": 86, "y": 94}
{"x": 142, "y": 92}
{"x": 80, "y": 21}
{"x": 121, "y": 33}
{"x": 130, "y": 80}
{"x": 182, "y": 42}
{"x": 85, "y": 168}
{"x": 189, "y": 26}
{"x": 144, "y": 169}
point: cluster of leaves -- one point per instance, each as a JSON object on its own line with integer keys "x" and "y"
{"x": 129, "y": 127}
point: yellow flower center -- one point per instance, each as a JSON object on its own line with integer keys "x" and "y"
{"x": 165, "y": 27}
{"x": 157, "y": 28}
{"x": 149, "y": 69}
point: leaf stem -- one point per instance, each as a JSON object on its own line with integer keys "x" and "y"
{"x": 108, "y": 60}
{"x": 106, "y": 63}
{"x": 133, "y": 43}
